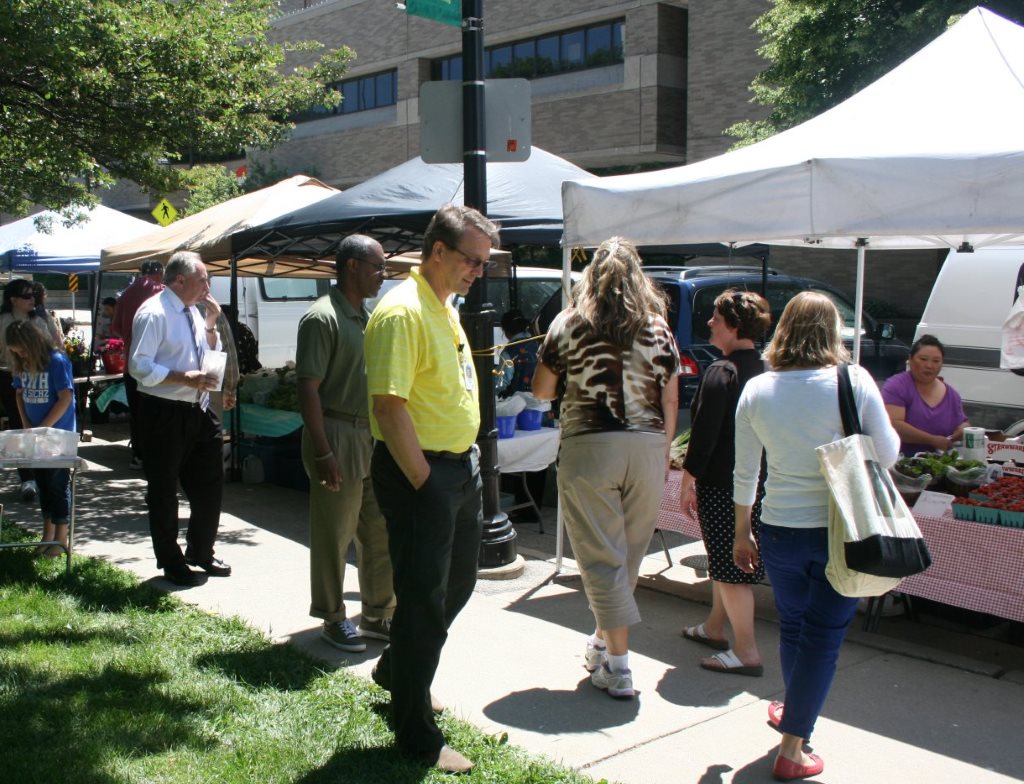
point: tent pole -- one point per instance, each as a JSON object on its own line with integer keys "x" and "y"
{"x": 858, "y": 306}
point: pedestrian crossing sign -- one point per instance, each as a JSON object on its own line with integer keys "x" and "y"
{"x": 164, "y": 213}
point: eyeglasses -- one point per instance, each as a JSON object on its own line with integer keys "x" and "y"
{"x": 26, "y": 295}
{"x": 473, "y": 263}
{"x": 376, "y": 267}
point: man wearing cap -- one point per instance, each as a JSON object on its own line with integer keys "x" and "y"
{"x": 182, "y": 440}
{"x": 426, "y": 474}
{"x": 147, "y": 284}
{"x": 336, "y": 448}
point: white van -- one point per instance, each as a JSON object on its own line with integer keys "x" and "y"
{"x": 966, "y": 309}
{"x": 271, "y": 308}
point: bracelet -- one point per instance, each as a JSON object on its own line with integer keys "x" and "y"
{"x": 328, "y": 456}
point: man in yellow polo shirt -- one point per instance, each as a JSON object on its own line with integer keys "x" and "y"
{"x": 425, "y": 468}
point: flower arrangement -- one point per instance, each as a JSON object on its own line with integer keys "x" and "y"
{"x": 111, "y": 346}
{"x": 75, "y": 346}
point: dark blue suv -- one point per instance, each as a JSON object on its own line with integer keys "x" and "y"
{"x": 691, "y": 294}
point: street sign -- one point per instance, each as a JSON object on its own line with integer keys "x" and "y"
{"x": 164, "y": 213}
{"x": 447, "y": 12}
{"x": 507, "y": 121}
{"x": 72, "y": 282}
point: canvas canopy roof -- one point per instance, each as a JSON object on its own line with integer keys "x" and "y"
{"x": 396, "y": 206}
{"x": 210, "y": 233}
{"x": 64, "y": 249}
{"x": 929, "y": 155}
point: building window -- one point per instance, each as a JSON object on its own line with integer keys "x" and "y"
{"x": 571, "y": 50}
{"x": 358, "y": 95}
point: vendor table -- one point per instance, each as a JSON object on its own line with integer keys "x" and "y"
{"x": 528, "y": 450}
{"x": 73, "y": 464}
{"x": 974, "y": 566}
{"x": 82, "y": 386}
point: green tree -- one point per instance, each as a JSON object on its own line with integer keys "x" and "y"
{"x": 820, "y": 52}
{"x": 96, "y": 90}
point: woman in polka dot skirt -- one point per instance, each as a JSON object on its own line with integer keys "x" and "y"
{"x": 740, "y": 318}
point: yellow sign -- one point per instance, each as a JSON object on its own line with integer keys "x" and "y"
{"x": 72, "y": 282}
{"x": 164, "y": 213}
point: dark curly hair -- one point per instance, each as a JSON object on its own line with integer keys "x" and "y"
{"x": 745, "y": 311}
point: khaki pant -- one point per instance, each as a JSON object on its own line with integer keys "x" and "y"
{"x": 335, "y": 519}
{"x": 610, "y": 485}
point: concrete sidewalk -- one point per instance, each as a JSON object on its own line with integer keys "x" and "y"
{"x": 899, "y": 711}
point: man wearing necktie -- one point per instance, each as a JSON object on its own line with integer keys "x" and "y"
{"x": 182, "y": 438}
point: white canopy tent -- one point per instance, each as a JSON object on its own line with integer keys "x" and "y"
{"x": 930, "y": 155}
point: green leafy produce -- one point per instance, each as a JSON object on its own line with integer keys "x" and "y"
{"x": 936, "y": 464}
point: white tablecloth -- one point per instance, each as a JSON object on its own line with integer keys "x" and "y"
{"x": 529, "y": 450}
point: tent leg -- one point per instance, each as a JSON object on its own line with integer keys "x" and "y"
{"x": 858, "y": 307}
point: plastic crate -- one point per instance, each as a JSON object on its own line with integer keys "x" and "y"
{"x": 987, "y": 515}
{"x": 52, "y": 442}
{"x": 963, "y": 511}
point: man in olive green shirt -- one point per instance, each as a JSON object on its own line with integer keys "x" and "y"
{"x": 336, "y": 449}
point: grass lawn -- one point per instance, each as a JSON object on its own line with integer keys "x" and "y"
{"x": 104, "y": 679}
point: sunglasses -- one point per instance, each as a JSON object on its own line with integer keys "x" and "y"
{"x": 26, "y": 295}
{"x": 472, "y": 262}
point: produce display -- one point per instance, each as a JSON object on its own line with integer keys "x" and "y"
{"x": 935, "y": 464}
{"x": 997, "y": 503}
{"x": 677, "y": 452}
{"x": 273, "y": 388}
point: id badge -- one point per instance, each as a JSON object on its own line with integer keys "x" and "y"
{"x": 467, "y": 375}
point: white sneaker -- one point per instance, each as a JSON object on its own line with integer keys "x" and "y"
{"x": 594, "y": 657}
{"x": 618, "y": 684}
{"x": 29, "y": 490}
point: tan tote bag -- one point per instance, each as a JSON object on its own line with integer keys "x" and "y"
{"x": 873, "y": 539}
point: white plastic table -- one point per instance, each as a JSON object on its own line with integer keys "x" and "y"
{"x": 528, "y": 450}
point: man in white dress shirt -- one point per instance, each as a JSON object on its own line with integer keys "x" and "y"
{"x": 181, "y": 435}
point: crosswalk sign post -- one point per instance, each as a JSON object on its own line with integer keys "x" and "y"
{"x": 164, "y": 213}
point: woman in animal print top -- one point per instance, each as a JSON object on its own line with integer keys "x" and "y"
{"x": 618, "y": 360}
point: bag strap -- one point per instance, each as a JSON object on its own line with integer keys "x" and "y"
{"x": 847, "y": 405}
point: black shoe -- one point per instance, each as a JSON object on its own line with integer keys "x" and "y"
{"x": 183, "y": 576}
{"x": 214, "y": 567}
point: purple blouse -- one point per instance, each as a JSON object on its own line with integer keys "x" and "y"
{"x": 940, "y": 420}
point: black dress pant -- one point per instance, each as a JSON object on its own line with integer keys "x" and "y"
{"x": 434, "y": 540}
{"x": 181, "y": 442}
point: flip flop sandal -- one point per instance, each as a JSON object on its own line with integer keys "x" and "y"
{"x": 697, "y": 634}
{"x": 729, "y": 663}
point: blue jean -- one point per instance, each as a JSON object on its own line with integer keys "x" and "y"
{"x": 813, "y": 619}
{"x": 54, "y": 494}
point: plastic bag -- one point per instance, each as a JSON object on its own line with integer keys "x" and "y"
{"x": 509, "y": 407}
{"x": 533, "y": 403}
{"x": 1011, "y": 356}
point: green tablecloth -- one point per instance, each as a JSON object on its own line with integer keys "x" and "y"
{"x": 262, "y": 421}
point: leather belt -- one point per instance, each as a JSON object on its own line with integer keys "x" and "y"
{"x": 173, "y": 402}
{"x": 350, "y": 418}
{"x": 447, "y": 455}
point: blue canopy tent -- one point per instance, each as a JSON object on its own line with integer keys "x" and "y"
{"x": 24, "y": 247}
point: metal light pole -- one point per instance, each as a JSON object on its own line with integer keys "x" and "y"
{"x": 498, "y": 546}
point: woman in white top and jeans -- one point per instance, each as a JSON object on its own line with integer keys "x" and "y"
{"x": 789, "y": 411}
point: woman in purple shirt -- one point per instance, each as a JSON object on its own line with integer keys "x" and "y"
{"x": 926, "y": 412}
